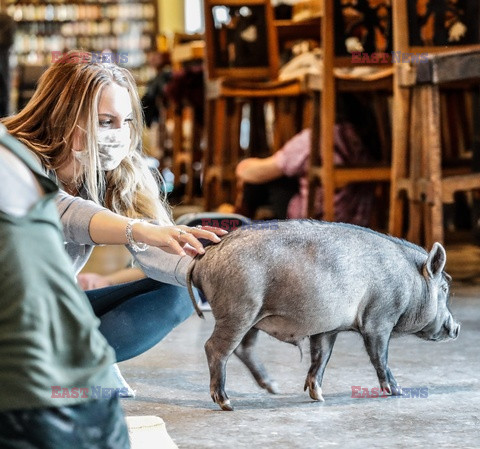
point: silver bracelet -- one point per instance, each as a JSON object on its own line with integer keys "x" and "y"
{"x": 136, "y": 246}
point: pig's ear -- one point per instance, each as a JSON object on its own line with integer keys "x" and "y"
{"x": 436, "y": 261}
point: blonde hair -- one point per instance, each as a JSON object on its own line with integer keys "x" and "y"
{"x": 66, "y": 99}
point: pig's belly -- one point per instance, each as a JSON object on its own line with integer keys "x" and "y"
{"x": 292, "y": 330}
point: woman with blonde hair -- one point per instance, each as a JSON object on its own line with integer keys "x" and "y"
{"x": 84, "y": 124}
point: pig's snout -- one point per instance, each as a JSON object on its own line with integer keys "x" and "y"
{"x": 454, "y": 330}
{"x": 449, "y": 330}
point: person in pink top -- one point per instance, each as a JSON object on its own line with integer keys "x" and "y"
{"x": 281, "y": 179}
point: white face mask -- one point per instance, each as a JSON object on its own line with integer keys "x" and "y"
{"x": 113, "y": 146}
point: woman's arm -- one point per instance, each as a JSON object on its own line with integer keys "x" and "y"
{"x": 109, "y": 228}
{"x": 163, "y": 267}
{"x": 255, "y": 170}
{"x": 76, "y": 214}
{"x": 85, "y": 222}
{"x": 91, "y": 281}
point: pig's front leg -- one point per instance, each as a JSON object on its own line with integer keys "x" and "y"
{"x": 377, "y": 348}
{"x": 245, "y": 352}
{"x": 321, "y": 346}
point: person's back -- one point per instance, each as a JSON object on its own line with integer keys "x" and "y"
{"x": 53, "y": 359}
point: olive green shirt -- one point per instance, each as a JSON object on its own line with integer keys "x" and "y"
{"x": 50, "y": 344}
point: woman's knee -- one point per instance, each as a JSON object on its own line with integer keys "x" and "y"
{"x": 179, "y": 304}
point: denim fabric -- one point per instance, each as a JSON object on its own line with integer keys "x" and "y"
{"x": 97, "y": 424}
{"x": 135, "y": 316}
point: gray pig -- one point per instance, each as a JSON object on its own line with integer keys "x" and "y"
{"x": 303, "y": 278}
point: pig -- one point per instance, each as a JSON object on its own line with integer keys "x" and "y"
{"x": 306, "y": 278}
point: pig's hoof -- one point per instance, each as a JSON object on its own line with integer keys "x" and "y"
{"x": 385, "y": 389}
{"x": 390, "y": 390}
{"x": 314, "y": 390}
{"x": 396, "y": 390}
{"x": 222, "y": 400}
{"x": 316, "y": 394}
{"x": 226, "y": 406}
{"x": 271, "y": 387}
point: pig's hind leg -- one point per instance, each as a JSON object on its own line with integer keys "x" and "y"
{"x": 227, "y": 335}
{"x": 245, "y": 352}
{"x": 321, "y": 346}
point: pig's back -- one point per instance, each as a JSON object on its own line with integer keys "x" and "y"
{"x": 328, "y": 243}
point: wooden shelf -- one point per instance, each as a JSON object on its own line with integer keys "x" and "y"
{"x": 124, "y": 28}
{"x": 289, "y": 29}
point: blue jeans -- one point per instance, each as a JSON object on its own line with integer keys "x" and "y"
{"x": 135, "y": 316}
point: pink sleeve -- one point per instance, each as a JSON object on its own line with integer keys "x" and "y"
{"x": 292, "y": 158}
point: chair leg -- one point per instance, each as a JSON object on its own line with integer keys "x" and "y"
{"x": 214, "y": 154}
{"x": 219, "y": 131}
{"x": 213, "y": 192}
{"x": 433, "y": 149}
{"x": 177, "y": 141}
{"x": 206, "y": 192}
{"x": 234, "y": 120}
{"x": 327, "y": 149}
{"x": 314, "y": 156}
{"x": 415, "y": 220}
{"x": 400, "y": 132}
{"x": 417, "y": 165}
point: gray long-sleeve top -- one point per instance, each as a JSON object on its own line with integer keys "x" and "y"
{"x": 76, "y": 214}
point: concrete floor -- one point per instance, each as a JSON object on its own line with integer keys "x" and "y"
{"x": 172, "y": 382}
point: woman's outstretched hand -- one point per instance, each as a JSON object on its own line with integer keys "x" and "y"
{"x": 177, "y": 239}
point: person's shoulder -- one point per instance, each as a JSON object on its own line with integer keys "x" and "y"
{"x": 300, "y": 142}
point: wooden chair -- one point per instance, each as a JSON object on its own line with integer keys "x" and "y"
{"x": 335, "y": 28}
{"x": 242, "y": 62}
{"x": 418, "y": 179}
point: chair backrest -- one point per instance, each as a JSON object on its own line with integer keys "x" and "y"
{"x": 241, "y": 39}
{"x": 428, "y": 26}
{"x": 368, "y": 23}
{"x": 226, "y": 221}
{"x": 187, "y": 49}
{"x": 363, "y": 26}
